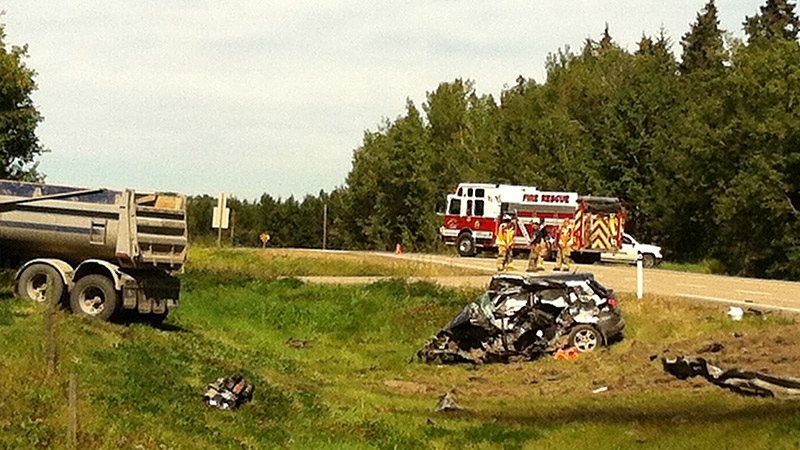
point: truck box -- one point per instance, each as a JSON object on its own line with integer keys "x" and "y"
{"x": 132, "y": 239}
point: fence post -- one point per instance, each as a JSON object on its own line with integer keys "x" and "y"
{"x": 51, "y": 349}
{"x": 72, "y": 416}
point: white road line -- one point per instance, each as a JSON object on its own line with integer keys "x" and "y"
{"x": 738, "y": 302}
{"x": 691, "y": 285}
{"x": 752, "y": 292}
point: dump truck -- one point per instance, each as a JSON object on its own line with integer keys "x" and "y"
{"x": 99, "y": 251}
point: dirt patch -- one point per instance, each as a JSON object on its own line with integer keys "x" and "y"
{"x": 633, "y": 366}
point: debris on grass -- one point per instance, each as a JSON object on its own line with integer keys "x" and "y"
{"x": 297, "y": 343}
{"x": 736, "y": 313}
{"x": 447, "y": 402}
{"x": 747, "y": 383}
{"x": 568, "y": 354}
{"x": 228, "y": 393}
{"x": 713, "y": 347}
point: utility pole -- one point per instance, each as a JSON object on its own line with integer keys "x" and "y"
{"x": 324, "y": 226}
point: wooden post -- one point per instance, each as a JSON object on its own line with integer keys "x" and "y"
{"x": 72, "y": 415}
{"x": 51, "y": 349}
{"x": 233, "y": 225}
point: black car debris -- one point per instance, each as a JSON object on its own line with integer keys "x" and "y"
{"x": 523, "y": 317}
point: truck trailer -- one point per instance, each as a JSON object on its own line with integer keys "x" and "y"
{"x": 99, "y": 251}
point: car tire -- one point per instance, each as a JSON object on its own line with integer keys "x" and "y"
{"x": 94, "y": 296}
{"x": 465, "y": 244}
{"x": 585, "y": 338}
{"x": 34, "y": 280}
{"x": 648, "y": 260}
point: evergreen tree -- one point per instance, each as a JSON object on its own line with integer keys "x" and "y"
{"x": 777, "y": 21}
{"x": 703, "y": 46}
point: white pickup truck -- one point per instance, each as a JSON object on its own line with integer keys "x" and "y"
{"x": 631, "y": 249}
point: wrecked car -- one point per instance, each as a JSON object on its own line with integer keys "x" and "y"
{"x": 523, "y": 317}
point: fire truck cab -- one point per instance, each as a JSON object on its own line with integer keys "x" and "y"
{"x": 473, "y": 212}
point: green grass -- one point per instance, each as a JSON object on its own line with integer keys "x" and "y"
{"x": 352, "y": 386}
{"x": 707, "y": 266}
{"x": 271, "y": 263}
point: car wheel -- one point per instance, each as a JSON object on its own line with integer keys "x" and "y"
{"x": 465, "y": 245}
{"x": 33, "y": 283}
{"x": 585, "y": 338}
{"x": 648, "y": 260}
{"x": 94, "y": 296}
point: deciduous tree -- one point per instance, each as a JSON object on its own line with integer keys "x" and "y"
{"x": 19, "y": 145}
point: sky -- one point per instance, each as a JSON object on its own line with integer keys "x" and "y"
{"x": 253, "y": 97}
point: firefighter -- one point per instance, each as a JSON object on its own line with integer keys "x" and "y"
{"x": 563, "y": 245}
{"x": 538, "y": 246}
{"x": 505, "y": 240}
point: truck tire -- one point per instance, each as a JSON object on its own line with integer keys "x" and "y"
{"x": 33, "y": 281}
{"x": 465, "y": 245}
{"x": 94, "y": 296}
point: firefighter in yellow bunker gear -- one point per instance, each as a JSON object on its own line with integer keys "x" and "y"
{"x": 563, "y": 245}
{"x": 539, "y": 245}
{"x": 505, "y": 240}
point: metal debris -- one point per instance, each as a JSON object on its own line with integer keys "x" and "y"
{"x": 747, "y": 383}
{"x": 297, "y": 343}
{"x": 228, "y": 393}
{"x": 713, "y": 347}
{"x": 447, "y": 402}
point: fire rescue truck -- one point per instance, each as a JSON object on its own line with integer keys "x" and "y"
{"x": 474, "y": 210}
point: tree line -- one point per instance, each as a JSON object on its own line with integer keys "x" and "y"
{"x": 704, "y": 146}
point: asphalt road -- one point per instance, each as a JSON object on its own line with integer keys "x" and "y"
{"x": 743, "y": 292}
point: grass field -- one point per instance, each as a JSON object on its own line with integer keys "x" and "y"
{"x": 352, "y": 385}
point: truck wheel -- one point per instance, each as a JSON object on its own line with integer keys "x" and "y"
{"x": 585, "y": 338}
{"x": 94, "y": 296}
{"x": 33, "y": 281}
{"x": 465, "y": 245}
{"x": 648, "y": 260}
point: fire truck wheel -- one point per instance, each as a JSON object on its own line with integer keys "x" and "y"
{"x": 94, "y": 296}
{"x": 465, "y": 245}
{"x": 648, "y": 260}
{"x": 33, "y": 282}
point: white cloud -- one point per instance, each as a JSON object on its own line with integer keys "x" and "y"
{"x": 252, "y": 96}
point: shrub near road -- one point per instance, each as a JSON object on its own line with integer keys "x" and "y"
{"x": 330, "y": 368}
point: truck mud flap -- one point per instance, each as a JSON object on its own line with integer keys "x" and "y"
{"x": 151, "y": 292}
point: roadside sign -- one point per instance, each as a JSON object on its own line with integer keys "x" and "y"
{"x": 222, "y": 213}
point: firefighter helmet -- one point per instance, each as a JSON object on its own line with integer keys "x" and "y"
{"x": 506, "y": 218}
